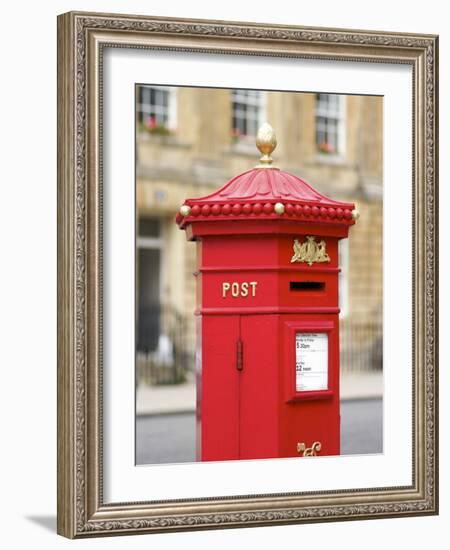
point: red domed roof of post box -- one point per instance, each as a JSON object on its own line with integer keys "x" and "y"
{"x": 265, "y": 192}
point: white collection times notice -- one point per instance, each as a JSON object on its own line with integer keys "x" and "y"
{"x": 311, "y": 361}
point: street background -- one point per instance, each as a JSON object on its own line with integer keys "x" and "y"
{"x": 171, "y": 437}
{"x": 28, "y": 311}
{"x": 165, "y": 422}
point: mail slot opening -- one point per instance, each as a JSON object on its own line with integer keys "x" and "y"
{"x": 306, "y": 285}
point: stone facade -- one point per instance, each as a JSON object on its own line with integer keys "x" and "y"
{"x": 201, "y": 152}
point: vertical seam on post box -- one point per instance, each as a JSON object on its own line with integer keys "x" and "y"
{"x": 239, "y": 373}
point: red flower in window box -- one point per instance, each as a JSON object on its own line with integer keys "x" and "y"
{"x": 151, "y": 122}
{"x": 153, "y": 127}
{"x": 236, "y": 134}
{"x": 326, "y": 148}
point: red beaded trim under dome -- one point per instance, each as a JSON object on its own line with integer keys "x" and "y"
{"x": 265, "y": 210}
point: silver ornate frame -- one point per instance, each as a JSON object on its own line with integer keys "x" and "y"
{"x": 81, "y": 39}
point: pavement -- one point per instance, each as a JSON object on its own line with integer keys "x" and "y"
{"x": 361, "y": 385}
{"x": 180, "y": 398}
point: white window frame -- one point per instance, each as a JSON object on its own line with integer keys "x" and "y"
{"x": 259, "y": 101}
{"x": 338, "y": 114}
{"x": 170, "y": 111}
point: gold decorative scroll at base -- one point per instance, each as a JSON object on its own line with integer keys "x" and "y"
{"x": 314, "y": 450}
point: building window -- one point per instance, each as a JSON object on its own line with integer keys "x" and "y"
{"x": 156, "y": 109}
{"x": 330, "y": 124}
{"x": 249, "y": 110}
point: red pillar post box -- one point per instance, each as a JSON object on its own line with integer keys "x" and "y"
{"x": 268, "y": 315}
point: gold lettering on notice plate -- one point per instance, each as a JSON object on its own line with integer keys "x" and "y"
{"x": 235, "y": 289}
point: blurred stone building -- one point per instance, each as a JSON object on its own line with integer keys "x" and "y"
{"x": 190, "y": 141}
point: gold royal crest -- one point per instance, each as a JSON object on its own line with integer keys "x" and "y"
{"x": 310, "y": 252}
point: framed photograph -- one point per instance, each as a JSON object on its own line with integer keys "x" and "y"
{"x": 247, "y": 285}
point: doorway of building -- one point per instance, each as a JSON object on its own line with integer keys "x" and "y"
{"x": 149, "y": 249}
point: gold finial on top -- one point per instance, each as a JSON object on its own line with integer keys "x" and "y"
{"x": 266, "y": 141}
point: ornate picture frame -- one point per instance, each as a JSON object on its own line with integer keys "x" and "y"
{"x": 82, "y": 38}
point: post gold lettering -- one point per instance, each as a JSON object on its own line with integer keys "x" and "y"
{"x": 244, "y": 289}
